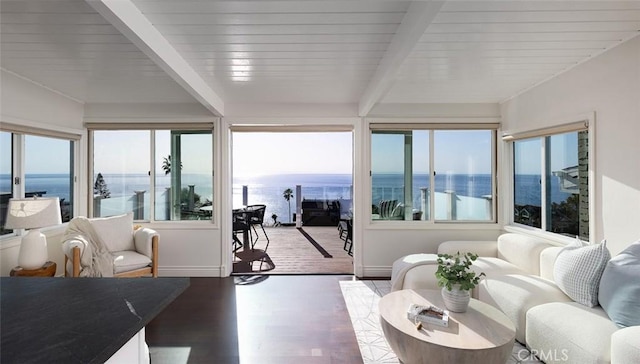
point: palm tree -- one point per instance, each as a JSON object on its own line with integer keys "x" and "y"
{"x": 166, "y": 165}
{"x": 288, "y": 194}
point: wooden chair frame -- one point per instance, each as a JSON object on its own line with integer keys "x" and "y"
{"x": 152, "y": 270}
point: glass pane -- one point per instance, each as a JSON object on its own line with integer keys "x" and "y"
{"x": 463, "y": 183}
{"x": 527, "y": 193}
{"x": 121, "y": 173}
{"x": 48, "y": 171}
{"x": 567, "y": 181}
{"x": 5, "y": 178}
{"x": 387, "y": 175}
{"x": 184, "y": 193}
{"x": 399, "y": 163}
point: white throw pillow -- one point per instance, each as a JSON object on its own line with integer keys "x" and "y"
{"x": 578, "y": 270}
{"x": 116, "y": 231}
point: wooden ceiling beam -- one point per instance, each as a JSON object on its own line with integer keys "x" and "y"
{"x": 128, "y": 19}
{"x": 417, "y": 19}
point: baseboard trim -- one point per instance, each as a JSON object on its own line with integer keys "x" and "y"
{"x": 190, "y": 271}
{"x": 376, "y": 271}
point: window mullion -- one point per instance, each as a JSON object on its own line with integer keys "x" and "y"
{"x": 544, "y": 209}
{"x": 432, "y": 178}
{"x": 152, "y": 177}
{"x": 408, "y": 175}
{"x": 18, "y": 189}
{"x": 494, "y": 176}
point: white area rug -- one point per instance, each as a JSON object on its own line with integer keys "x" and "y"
{"x": 362, "y": 299}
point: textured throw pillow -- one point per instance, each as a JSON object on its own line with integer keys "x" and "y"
{"x": 115, "y": 231}
{"x": 578, "y": 270}
{"x": 619, "y": 293}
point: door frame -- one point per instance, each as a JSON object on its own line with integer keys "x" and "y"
{"x": 228, "y": 125}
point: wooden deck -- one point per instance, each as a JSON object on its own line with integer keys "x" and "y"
{"x": 292, "y": 253}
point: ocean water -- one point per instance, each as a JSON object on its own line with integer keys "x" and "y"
{"x": 269, "y": 190}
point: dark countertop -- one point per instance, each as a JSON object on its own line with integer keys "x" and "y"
{"x": 77, "y": 320}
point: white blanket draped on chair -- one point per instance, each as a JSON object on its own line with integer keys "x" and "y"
{"x": 101, "y": 261}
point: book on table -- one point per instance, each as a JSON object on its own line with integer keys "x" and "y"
{"x": 428, "y": 315}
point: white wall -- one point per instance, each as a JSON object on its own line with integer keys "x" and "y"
{"x": 382, "y": 246}
{"x": 435, "y": 110}
{"x": 161, "y": 112}
{"x": 609, "y": 85}
{"x": 24, "y": 101}
{"x": 290, "y": 110}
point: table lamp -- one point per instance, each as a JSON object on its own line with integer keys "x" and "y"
{"x": 33, "y": 213}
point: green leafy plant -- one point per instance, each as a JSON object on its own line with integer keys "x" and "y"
{"x": 456, "y": 269}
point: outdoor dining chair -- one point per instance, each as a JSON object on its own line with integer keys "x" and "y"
{"x": 240, "y": 225}
{"x": 255, "y": 216}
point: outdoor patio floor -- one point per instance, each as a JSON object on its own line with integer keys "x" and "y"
{"x": 292, "y": 253}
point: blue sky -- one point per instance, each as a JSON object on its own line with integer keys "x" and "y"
{"x": 289, "y": 153}
{"x": 455, "y": 152}
{"x": 42, "y": 155}
{"x": 129, "y": 152}
{"x": 563, "y": 151}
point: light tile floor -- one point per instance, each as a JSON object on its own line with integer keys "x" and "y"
{"x": 362, "y": 299}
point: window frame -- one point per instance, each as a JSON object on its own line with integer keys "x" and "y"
{"x": 152, "y": 128}
{"x": 580, "y": 122}
{"x": 486, "y": 124}
{"x": 18, "y": 135}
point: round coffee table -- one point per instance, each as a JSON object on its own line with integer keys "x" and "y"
{"x": 483, "y": 334}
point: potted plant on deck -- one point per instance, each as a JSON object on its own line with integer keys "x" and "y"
{"x": 456, "y": 278}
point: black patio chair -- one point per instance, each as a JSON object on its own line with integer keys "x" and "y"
{"x": 240, "y": 225}
{"x": 255, "y": 216}
{"x": 348, "y": 241}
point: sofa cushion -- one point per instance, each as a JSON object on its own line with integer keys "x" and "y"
{"x": 619, "y": 293}
{"x": 116, "y": 231}
{"x": 578, "y": 269}
{"x": 423, "y": 276}
{"x": 522, "y": 251}
{"x": 127, "y": 260}
{"x": 625, "y": 346}
{"x": 569, "y": 332}
{"x": 514, "y": 294}
{"x": 547, "y": 261}
{"x": 485, "y": 248}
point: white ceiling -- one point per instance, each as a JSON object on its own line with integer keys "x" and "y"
{"x": 312, "y": 51}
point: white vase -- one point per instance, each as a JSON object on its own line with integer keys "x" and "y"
{"x": 456, "y": 300}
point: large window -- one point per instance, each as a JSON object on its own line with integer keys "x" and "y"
{"x": 176, "y": 184}
{"x": 551, "y": 185}
{"x": 407, "y": 161}
{"x": 36, "y": 165}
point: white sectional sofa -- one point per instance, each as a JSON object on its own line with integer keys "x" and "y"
{"x": 520, "y": 282}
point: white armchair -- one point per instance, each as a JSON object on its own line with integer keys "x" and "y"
{"x": 133, "y": 252}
